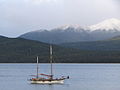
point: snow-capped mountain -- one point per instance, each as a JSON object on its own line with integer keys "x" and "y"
{"x": 68, "y": 26}
{"x": 111, "y": 24}
{"x": 75, "y": 33}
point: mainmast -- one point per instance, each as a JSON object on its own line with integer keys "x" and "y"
{"x": 37, "y": 67}
{"x": 51, "y": 53}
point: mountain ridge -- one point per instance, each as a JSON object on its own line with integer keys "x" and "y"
{"x": 71, "y": 33}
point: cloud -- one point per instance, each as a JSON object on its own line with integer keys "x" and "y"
{"x": 42, "y": 1}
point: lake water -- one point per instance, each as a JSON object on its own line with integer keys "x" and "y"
{"x": 82, "y": 76}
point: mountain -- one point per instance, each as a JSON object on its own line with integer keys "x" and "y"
{"x": 58, "y": 35}
{"x": 107, "y": 25}
{"x": 75, "y": 33}
{"x": 18, "y": 50}
{"x": 105, "y": 29}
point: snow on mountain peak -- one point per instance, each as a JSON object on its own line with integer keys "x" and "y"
{"x": 69, "y": 26}
{"x": 110, "y": 24}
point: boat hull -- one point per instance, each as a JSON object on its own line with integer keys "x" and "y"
{"x": 48, "y": 82}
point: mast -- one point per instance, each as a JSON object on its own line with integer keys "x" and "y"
{"x": 51, "y": 69}
{"x": 37, "y": 67}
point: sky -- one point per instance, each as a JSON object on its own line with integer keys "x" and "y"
{"x": 21, "y": 16}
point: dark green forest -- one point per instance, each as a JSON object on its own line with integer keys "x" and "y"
{"x": 18, "y": 50}
{"x": 106, "y": 45}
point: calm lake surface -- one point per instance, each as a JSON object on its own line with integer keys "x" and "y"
{"x": 82, "y": 76}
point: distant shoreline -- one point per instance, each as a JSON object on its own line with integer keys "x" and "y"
{"x": 60, "y": 63}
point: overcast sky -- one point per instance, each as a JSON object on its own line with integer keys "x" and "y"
{"x": 20, "y": 16}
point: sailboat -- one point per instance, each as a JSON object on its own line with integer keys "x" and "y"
{"x": 49, "y": 78}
